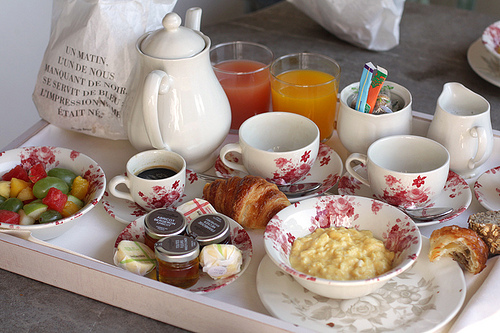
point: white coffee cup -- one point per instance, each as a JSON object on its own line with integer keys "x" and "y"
{"x": 278, "y": 146}
{"x": 404, "y": 170}
{"x": 358, "y": 130}
{"x": 159, "y": 191}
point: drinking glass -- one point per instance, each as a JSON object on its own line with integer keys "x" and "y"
{"x": 243, "y": 71}
{"x": 307, "y": 84}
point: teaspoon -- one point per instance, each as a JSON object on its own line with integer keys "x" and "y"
{"x": 427, "y": 214}
{"x": 291, "y": 191}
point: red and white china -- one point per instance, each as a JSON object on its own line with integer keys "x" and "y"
{"x": 239, "y": 238}
{"x": 403, "y": 170}
{"x": 52, "y": 157}
{"x": 387, "y": 223}
{"x": 278, "y": 146}
{"x": 487, "y": 189}
{"x": 456, "y": 194}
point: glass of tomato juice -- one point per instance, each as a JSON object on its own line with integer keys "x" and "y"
{"x": 243, "y": 71}
{"x": 307, "y": 84}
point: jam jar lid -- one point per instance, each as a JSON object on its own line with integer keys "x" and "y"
{"x": 209, "y": 229}
{"x": 177, "y": 249}
{"x": 164, "y": 222}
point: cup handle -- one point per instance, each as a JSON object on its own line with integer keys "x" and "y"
{"x": 482, "y": 143}
{"x": 117, "y": 180}
{"x": 360, "y": 158}
{"x": 228, "y": 148}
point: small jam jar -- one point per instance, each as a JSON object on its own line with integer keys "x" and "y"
{"x": 178, "y": 261}
{"x": 162, "y": 222}
{"x": 210, "y": 229}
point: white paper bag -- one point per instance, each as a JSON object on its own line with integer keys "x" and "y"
{"x": 370, "y": 24}
{"x": 85, "y": 73}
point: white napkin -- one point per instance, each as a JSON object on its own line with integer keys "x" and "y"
{"x": 482, "y": 313}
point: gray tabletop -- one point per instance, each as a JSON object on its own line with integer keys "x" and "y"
{"x": 432, "y": 51}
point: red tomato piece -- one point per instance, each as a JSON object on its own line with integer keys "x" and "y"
{"x": 55, "y": 199}
{"x": 7, "y": 216}
{"x": 37, "y": 172}
{"x": 16, "y": 172}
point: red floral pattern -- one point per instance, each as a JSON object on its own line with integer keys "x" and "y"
{"x": 51, "y": 157}
{"x": 239, "y": 238}
{"x": 397, "y": 230}
{"x": 163, "y": 196}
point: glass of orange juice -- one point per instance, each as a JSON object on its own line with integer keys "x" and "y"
{"x": 243, "y": 71}
{"x": 307, "y": 84}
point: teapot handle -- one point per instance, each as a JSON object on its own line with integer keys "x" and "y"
{"x": 157, "y": 83}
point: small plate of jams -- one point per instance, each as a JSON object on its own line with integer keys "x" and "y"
{"x": 127, "y": 211}
{"x": 239, "y": 238}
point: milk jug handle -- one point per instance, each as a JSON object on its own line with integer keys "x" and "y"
{"x": 479, "y": 132}
{"x": 156, "y": 83}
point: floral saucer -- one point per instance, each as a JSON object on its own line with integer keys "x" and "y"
{"x": 239, "y": 238}
{"x": 456, "y": 194}
{"x": 487, "y": 189}
{"x": 127, "y": 211}
{"x": 327, "y": 170}
{"x": 483, "y": 63}
{"x": 423, "y": 299}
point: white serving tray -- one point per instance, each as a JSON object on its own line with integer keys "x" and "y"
{"x": 83, "y": 264}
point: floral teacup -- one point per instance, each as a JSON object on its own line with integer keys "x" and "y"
{"x": 278, "y": 146}
{"x": 404, "y": 170}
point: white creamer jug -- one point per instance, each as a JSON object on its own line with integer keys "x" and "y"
{"x": 179, "y": 104}
{"x": 462, "y": 124}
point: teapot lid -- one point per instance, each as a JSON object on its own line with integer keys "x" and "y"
{"x": 173, "y": 41}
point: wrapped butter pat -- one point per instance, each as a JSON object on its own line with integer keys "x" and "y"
{"x": 135, "y": 257}
{"x": 194, "y": 208}
{"x": 220, "y": 260}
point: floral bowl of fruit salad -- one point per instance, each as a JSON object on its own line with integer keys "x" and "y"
{"x": 46, "y": 189}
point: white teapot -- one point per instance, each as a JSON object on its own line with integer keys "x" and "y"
{"x": 179, "y": 104}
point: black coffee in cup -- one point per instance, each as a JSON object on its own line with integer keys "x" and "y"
{"x": 157, "y": 172}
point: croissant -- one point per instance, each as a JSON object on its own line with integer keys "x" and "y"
{"x": 251, "y": 201}
{"x": 462, "y": 244}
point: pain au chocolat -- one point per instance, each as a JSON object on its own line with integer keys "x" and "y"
{"x": 251, "y": 201}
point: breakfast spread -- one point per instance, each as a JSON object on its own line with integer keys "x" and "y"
{"x": 38, "y": 196}
{"x": 178, "y": 261}
{"x": 210, "y": 229}
{"x": 194, "y": 237}
{"x": 135, "y": 257}
{"x": 251, "y": 201}
{"x": 162, "y": 222}
{"x": 462, "y": 244}
{"x": 487, "y": 226}
{"x": 341, "y": 254}
{"x": 220, "y": 260}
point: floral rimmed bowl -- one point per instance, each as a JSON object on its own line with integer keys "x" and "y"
{"x": 491, "y": 39}
{"x": 387, "y": 223}
{"x": 52, "y": 157}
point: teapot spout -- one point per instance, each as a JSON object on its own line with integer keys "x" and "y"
{"x": 193, "y": 18}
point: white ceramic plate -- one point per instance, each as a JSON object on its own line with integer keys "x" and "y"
{"x": 239, "y": 238}
{"x": 127, "y": 211}
{"x": 484, "y": 63}
{"x": 423, "y": 299}
{"x": 327, "y": 170}
{"x": 456, "y": 194}
{"x": 487, "y": 189}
